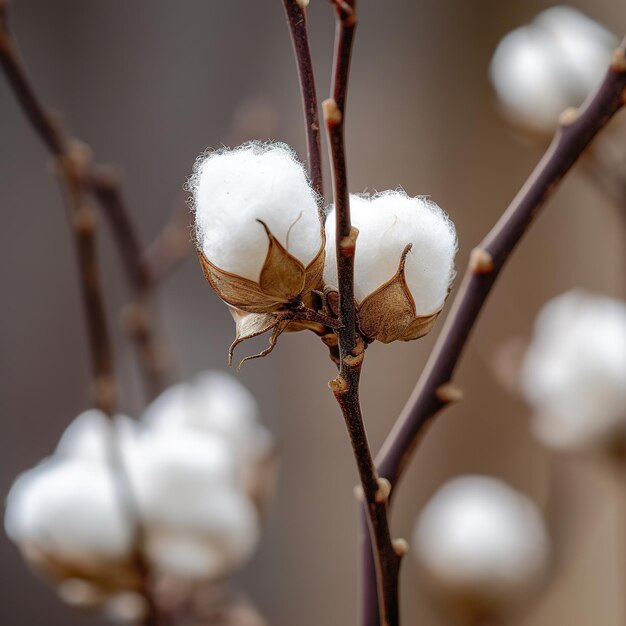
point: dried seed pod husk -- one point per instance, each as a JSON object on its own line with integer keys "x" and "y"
{"x": 388, "y": 314}
{"x": 283, "y": 280}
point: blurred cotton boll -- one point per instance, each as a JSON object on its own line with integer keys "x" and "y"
{"x": 65, "y": 516}
{"x": 574, "y": 372}
{"x": 388, "y": 222}
{"x": 217, "y": 403}
{"x": 258, "y": 227}
{"x": 482, "y": 542}
{"x": 197, "y": 522}
{"x": 540, "y": 69}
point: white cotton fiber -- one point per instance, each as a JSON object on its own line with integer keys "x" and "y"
{"x": 574, "y": 372}
{"x": 67, "y": 509}
{"x": 479, "y": 537}
{"x": 213, "y": 402}
{"x": 232, "y": 189}
{"x": 387, "y": 222}
{"x": 540, "y": 69}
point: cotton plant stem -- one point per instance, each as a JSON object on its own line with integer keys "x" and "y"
{"x": 72, "y": 161}
{"x": 138, "y": 315}
{"x": 434, "y": 390}
{"x": 104, "y": 187}
{"x": 295, "y": 11}
{"x": 373, "y": 492}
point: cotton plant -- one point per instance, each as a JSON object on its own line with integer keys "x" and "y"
{"x": 483, "y": 545}
{"x": 188, "y": 500}
{"x": 555, "y": 62}
{"x": 258, "y": 233}
{"x": 574, "y": 373}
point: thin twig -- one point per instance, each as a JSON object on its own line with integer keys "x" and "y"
{"x": 172, "y": 246}
{"x": 73, "y": 167}
{"x": 138, "y": 315}
{"x": 345, "y": 387}
{"x": 434, "y": 390}
{"x": 296, "y": 18}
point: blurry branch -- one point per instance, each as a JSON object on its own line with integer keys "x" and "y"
{"x": 296, "y": 18}
{"x": 434, "y": 390}
{"x": 374, "y": 492}
{"x": 74, "y": 170}
{"x": 104, "y": 185}
{"x": 172, "y": 246}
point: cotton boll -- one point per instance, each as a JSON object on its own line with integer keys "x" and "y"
{"x": 482, "y": 541}
{"x": 235, "y": 188}
{"x": 217, "y": 403}
{"x": 209, "y": 551}
{"x": 198, "y": 524}
{"x": 556, "y": 61}
{"x": 387, "y": 222}
{"x": 574, "y": 372}
{"x": 65, "y": 514}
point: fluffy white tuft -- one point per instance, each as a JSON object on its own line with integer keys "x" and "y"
{"x": 68, "y": 510}
{"x": 477, "y": 536}
{"x": 232, "y": 189}
{"x": 556, "y": 61}
{"x": 387, "y": 222}
{"x": 574, "y": 372}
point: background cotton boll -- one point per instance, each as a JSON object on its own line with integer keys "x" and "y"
{"x": 233, "y": 189}
{"x": 478, "y": 538}
{"x": 387, "y": 222}
{"x": 67, "y": 511}
{"x": 214, "y": 535}
{"x": 574, "y": 372}
{"x": 174, "y": 472}
{"x": 554, "y": 62}
{"x": 217, "y": 403}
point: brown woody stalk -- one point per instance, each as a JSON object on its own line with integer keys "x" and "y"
{"x": 296, "y": 18}
{"x": 138, "y": 317}
{"x": 434, "y": 390}
{"x": 105, "y": 188}
{"x": 73, "y": 168}
{"x": 375, "y": 492}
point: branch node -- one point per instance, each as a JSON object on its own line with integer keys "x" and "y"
{"x": 332, "y": 114}
{"x": 348, "y": 243}
{"x": 568, "y": 117}
{"x": 383, "y": 491}
{"x": 338, "y": 385}
{"x": 618, "y": 62}
{"x": 481, "y": 261}
{"x": 303, "y": 4}
{"x": 400, "y": 546}
{"x": 449, "y": 393}
{"x": 358, "y": 493}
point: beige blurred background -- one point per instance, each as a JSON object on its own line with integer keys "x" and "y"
{"x": 149, "y": 85}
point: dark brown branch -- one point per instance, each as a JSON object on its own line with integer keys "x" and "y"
{"x": 574, "y": 134}
{"x": 434, "y": 390}
{"x": 172, "y": 246}
{"x": 296, "y": 18}
{"x": 138, "y": 315}
{"x": 345, "y": 387}
{"x": 73, "y": 168}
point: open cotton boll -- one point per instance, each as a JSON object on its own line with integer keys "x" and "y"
{"x": 387, "y": 222}
{"x": 478, "y": 538}
{"x": 540, "y": 69}
{"x": 574, "y": 372}
{"x": 232, "y": 189}
{"x": 66, "y": 511}
{"x": 217, "y": 403}
{"x": 210, "y": 550}
{"x": 175, "y": 472}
